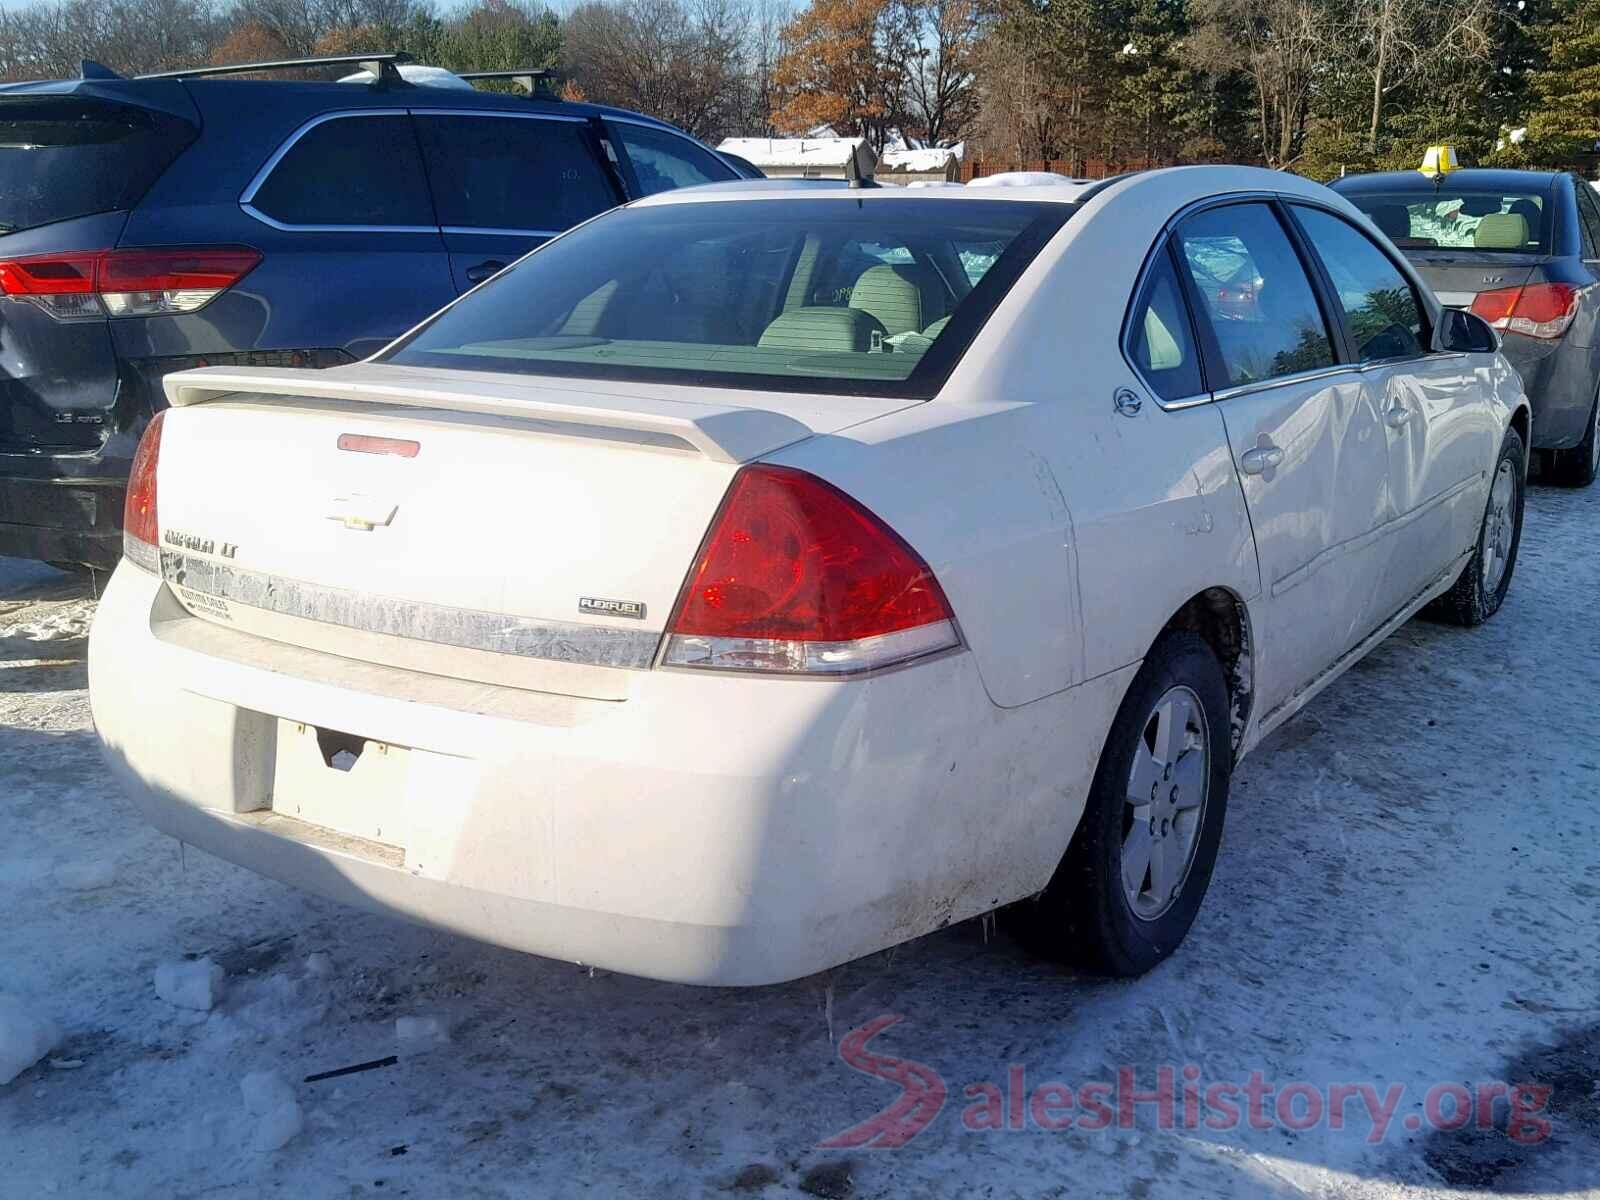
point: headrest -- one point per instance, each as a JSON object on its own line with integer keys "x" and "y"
{"x": 1392, "y": 220}
{"x": 903, "y": 297}
{"x": 1534, "y": 214}
{"x": 1501, "y": 231}
{"x": 820, "y": 330}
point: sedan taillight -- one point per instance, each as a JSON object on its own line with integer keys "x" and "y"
{"x": 91, "y": 284}
{"x": 1536, "y": 310}
{"x": 141, "y": 534}
{"x": 797, "y": 577}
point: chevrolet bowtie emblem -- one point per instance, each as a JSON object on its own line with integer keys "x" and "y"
{"x": 365, "y": 513}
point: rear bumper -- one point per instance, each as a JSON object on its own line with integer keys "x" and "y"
{"x": 64, "y": 508}
{"x": 1560, "y": 381}
{"x": 716, "y": 830}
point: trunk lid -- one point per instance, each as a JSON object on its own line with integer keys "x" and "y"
{"x": 74, "y": 158}
{"x": 1456, "y": 276}
{"x": 512, "y": 530}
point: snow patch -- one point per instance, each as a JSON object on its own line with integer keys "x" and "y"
{"x": 269, "y": 1098}
{"x": 420, "y": 1032}
{"x": 1010, "y": 179}
{"x": 319, "y": 965}
{"x": 87, "y": 876}
{"x": 26, "y": 1036}
{"x": 419, "y": 74}
{"x": 196, "y": 984}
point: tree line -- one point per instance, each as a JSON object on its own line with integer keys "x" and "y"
{"x": 1316, "y": 86}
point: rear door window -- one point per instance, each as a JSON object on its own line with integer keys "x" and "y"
{"x": 512, "y": 173}
{"x": 1255, "y": 297}
{"x": 1379, "y": 303}
{"x": 358, "y": 170}
{"x": 663, "y": 161}
{"x": 1160, "y": 339}
{"x": 64, "y": 157}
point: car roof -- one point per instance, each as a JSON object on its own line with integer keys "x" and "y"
{"x": 1485, "y": 177}
{"x": 339, "y": 95}
{"x": 1176, "y": 186}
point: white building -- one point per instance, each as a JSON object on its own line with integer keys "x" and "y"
{"x": 805, "y": 158}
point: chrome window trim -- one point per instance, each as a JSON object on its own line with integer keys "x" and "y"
{"x": 247, "y": 197}
{"x": 494, "y": 232}
{"x": 1278, "y": 381}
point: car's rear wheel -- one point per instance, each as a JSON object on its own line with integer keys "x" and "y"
{"x": 1579, "y": 466}
{"x": 1481, "y": 587}
{"x": 1132, "y": 880}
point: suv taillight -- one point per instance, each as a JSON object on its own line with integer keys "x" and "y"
{"x": 1537, "y": 310}
{"x": 90, "y": 284}
{"x": 140, "y": 533}
{"x": 795, "y": 576}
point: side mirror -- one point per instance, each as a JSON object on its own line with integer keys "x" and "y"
{"x": 1463, "y": 332}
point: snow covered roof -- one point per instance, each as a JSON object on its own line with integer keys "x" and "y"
{"x": 795, "y": 152}
{"x": 920, "y": 161}
{"x": 1009, "y": 179}
{"x": 417, "y": 73}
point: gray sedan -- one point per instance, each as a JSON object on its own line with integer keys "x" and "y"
{"x": 1522, "y": 250}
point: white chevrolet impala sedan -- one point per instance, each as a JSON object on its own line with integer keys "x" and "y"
{"x": 758, "y": 576}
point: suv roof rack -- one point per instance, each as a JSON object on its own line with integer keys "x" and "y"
{"x": 528, "y": 77}
{"x": 384, "y": 67}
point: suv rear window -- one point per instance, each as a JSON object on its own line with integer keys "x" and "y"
{"x": 860, "y": 296}
{"x": 65, "y": 157}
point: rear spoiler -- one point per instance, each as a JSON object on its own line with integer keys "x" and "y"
{"x": 723, "y": 433}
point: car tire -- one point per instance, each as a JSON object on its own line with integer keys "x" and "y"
{"x": 1089, "y": 913}
{"x": 1578, "y": 467}
{"x": 1478, "y": 592}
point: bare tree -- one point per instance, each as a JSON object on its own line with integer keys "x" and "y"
{"x": 1410, "y": 40}
{"x": 940, "y": 84}
{"x": 1281, "y": 45}
{"x": 681, "y": 60}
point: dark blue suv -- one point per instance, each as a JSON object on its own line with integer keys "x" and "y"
{"x": 164, "y": 222}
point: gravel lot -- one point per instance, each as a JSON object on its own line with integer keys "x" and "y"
{"x": 1407, "y": 895}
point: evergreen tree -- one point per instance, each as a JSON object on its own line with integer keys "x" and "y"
{"x": 1564, "y": 112}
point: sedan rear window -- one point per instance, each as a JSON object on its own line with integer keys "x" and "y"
{"x": 64, "y": 157}
{"x": 869, "y": 296}
{"x": 1447, "y": 218}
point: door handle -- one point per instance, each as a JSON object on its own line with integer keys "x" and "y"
{"x": 1397, "y": 417}
{"x": 483, "y": 270}
{"x": 1258, "y": 460}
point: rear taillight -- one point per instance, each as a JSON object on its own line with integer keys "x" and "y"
{"x": 140, "y": 533}
{"x": 125, "y": 283}
{"x": 795, "y": 576}
{"x": 1537, "y": 310}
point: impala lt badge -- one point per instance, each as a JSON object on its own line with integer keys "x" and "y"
{"x": 612, "y": 608}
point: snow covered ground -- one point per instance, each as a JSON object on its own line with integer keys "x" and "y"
{"x": 1407, "y": 894}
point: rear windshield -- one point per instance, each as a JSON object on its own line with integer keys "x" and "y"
{"x": 62, "y": 157}
{"x": 1447, "y": 218}
{"x": 871, "y": 296}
